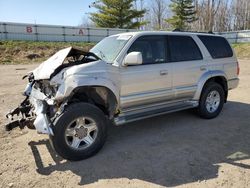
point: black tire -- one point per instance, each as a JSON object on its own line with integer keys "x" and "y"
{"x": 71, "y": 113}
{"x": 202, "y": 109}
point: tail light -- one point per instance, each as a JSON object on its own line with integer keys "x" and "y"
{"x": 238, "y": 68}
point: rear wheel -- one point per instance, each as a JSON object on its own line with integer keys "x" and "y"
{"x": 211, "y": 101}
{"x": 80, "y": 132}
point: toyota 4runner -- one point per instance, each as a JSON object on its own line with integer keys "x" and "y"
{"x": 74, "y": 95}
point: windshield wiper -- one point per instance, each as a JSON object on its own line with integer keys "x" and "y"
{"x": 102, "y": 54}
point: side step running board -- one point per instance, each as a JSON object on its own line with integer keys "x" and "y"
{"x": 134, "y": 115}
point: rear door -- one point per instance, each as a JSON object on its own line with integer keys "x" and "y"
{"x": 188, "y": 65}
{"x": 150, "y": 82}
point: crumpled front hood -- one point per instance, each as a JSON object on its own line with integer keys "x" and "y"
{"x": 48, "y": 67}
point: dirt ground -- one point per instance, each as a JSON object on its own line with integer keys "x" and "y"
{"x": 178, "y": 149}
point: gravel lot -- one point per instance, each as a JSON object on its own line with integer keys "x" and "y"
{"x": 178, "y": 149}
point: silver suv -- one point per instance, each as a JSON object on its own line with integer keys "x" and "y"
{"x": 74, "y": 95}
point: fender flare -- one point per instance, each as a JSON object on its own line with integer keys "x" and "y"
{"x": 72, "y": 82}
{"x": 204, "y": 78}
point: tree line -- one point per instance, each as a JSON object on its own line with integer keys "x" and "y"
{"x": 196, "y": 15}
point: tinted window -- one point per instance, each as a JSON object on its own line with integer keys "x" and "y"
{"x": 153, "y": 49}
{"x": 183, "y": 48}
{"x": 218, "y": 47}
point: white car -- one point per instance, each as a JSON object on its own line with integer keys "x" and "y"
{"x": 74, "y": 95}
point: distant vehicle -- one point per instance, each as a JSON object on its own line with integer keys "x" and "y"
{"x": 74, "y": 95}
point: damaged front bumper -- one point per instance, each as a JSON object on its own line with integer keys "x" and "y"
{"x": 32, "y": 112}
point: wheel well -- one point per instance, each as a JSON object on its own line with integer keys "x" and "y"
{"x": 100, "y": 96}
{"x": 222, "y": 81}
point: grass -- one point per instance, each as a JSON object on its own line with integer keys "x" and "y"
{"x": 242, "y": 50}
{"x": 21, "y": 52}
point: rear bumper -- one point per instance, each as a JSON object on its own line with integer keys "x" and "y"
{"x": 233, "y": 83}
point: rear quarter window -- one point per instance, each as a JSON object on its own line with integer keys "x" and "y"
{"x": 218, "y": 47}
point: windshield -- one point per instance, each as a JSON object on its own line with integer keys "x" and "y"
{"x": 109, "y": 47}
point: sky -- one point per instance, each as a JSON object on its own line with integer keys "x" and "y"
{"x": 55, "y": 12}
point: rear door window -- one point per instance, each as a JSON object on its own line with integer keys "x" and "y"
{"x": 153, "y": 49}
{"x": 183, "y": 48}
{"x": 218, "y": 47}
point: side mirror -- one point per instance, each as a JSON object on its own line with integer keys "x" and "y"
{"x": 133, "y": 58}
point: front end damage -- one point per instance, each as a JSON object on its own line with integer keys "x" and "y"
{"x": 32, "y": 112}
{"x": 24, "y": 118}
{"x": 40, "y": 107}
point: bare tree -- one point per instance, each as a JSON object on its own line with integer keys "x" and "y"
{"x": 222, "y": 15}
{"x": 208, "y": 10}
{"x": 241, "y": 10}
{"x": 213, "y": 15}
{"x": 159, "y": 8}
{"x": 222, "y": 20}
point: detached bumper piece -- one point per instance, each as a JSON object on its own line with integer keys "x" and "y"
{"x": 23, "y": 116}
{"x": 31, "y": 113}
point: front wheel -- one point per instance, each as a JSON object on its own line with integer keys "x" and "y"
{"x": 211, "y": 101}
{"x": 80, "y": 132}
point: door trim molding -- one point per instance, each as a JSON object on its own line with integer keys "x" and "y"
{"x": 142, "y": 98}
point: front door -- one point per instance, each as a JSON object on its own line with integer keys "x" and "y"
{"x": 150, "y": 82}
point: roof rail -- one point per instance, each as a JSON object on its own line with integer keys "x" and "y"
{"x": 179, "y": 30}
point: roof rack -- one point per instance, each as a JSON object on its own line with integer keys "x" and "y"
{"x": 179, "y": 30}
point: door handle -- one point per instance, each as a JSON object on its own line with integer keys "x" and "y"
{"x": 203, "y": 68}
{"x": 163, "y": 72}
